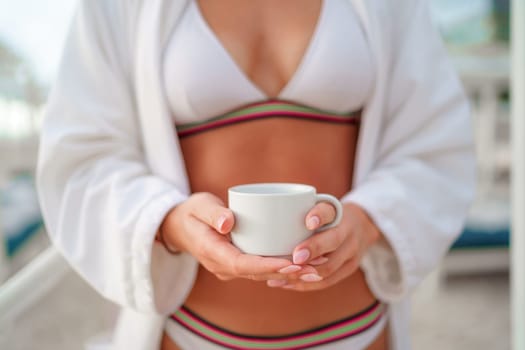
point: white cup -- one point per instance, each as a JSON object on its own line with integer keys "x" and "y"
{"x": 270, "y": 217}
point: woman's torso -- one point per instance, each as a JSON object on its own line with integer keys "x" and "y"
{"x": 267, "y": 40}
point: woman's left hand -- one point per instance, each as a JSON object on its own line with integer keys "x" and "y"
{"x": 335, "y": 253}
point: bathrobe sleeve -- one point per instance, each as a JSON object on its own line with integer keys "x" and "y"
{"x": 101, "y": 204}
{"x": 422, "y": 180}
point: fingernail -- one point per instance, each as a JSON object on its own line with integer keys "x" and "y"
{"x": 221, "y": 221}
{"x": 276, "y": 283}
{"x": 311, "y": 277}
{"x": 319, "y": 261}
{"x": 301, "y": 256}
{"x": 290, "y": 269}
{"x": 313, "y": 222}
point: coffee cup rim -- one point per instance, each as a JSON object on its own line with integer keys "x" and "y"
{"x": 294, "y": 189}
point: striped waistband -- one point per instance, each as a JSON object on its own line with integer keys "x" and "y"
{"x": 268, "y": 109}
{"x": 344, "y": 328}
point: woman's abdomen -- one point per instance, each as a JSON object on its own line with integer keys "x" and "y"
{"x": 273, "y": 150}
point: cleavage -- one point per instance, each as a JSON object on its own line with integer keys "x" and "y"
{"x": 266, "y": 39}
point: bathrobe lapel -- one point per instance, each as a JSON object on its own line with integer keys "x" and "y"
{"x": 162, "y": 148}
{"x": 369, "y": 132}
{"x": 134, "y": 330}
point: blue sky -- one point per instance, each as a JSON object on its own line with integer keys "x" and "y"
{"x": 36, "y": 29}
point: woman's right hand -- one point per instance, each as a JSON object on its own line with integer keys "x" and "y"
{"x": 201, "y": 226}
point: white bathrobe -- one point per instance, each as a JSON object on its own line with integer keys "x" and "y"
{"x": 110, "y": 165}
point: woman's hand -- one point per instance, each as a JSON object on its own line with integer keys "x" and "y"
{"x": 201, "y": 226}
{"x": 335, "y": 253}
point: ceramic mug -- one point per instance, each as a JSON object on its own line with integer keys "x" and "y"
{"x": 270, "y": 217}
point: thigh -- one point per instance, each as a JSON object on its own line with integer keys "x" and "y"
{"x": 381, "y": 342}
{"x": 167, "y": 343}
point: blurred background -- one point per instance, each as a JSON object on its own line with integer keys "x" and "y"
{"x": 464, "y": 304}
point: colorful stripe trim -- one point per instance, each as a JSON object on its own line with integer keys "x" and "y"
{"x": 268, "y": 109}
{"x": 344, "y": 328}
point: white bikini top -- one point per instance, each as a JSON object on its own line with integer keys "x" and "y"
{"x": 202, "y": 81}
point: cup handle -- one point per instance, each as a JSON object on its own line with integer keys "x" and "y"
{"x": 338, "y": 210}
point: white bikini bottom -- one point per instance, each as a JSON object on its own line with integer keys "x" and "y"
{"x": 357, "y": 332}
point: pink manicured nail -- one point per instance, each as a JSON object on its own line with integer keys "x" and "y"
{"x": 276, "y": 283}
{"x": 301, "y": 256}
{"x": 311, "y": 277}
{"x": 319, "y": 261}
{"x": 221, "y": 221}
{"x": 290, "y": 269}
{"x": 313, "y": 222}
